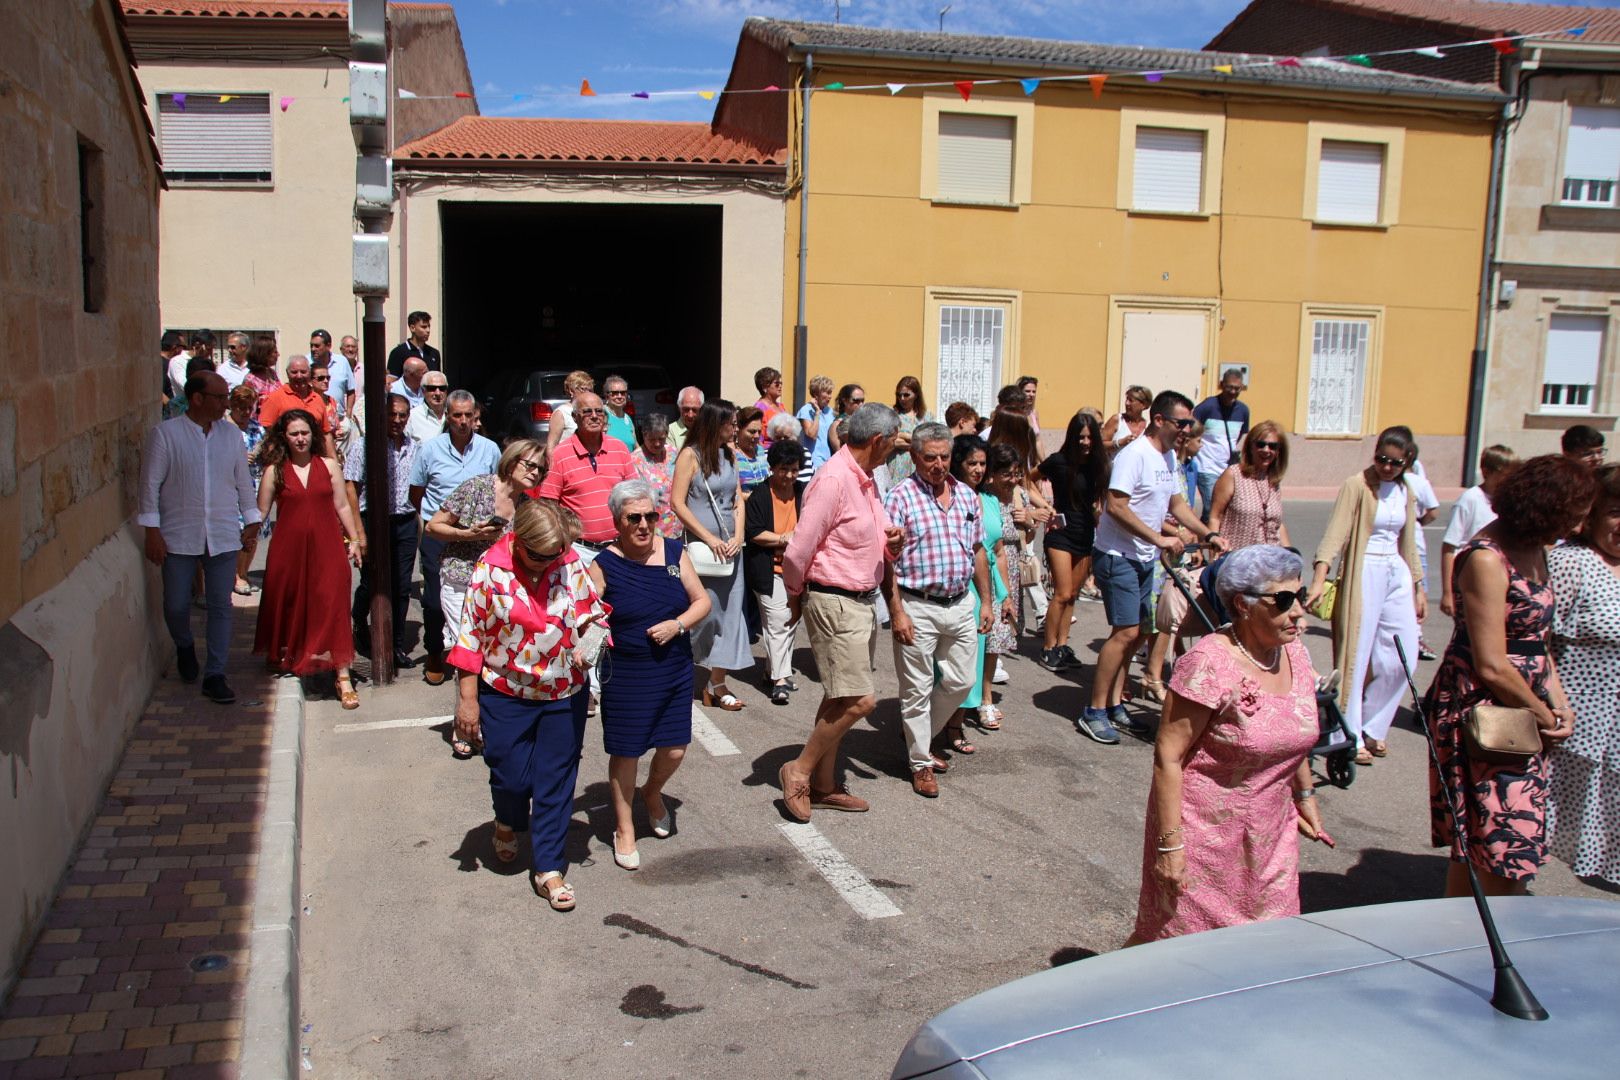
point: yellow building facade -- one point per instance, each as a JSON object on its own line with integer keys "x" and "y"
{"x": 1153, "y": 233}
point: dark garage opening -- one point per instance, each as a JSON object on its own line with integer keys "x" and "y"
{"x": 569, "y": 285}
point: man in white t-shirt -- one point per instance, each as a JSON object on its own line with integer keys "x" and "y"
{"x": 1472, "y": 513}
{"x": 1143, "y": 492}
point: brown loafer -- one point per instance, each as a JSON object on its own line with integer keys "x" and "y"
{"x": 795, "y": 795}
{"x": 940, "y": 764}
{"x": 924, "y": 784}
{"x": 839, "y": 799}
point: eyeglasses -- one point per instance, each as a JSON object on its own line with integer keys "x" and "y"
{"x": 524, "y": 463}
{"x": 1595, "y": 454}
{"x": 540, "y": 556}
{"x": 1390, "y": 462}
{"x": 1283, "y": 599}
{"x": 590, "y": 412}
{"x": 437, "y": 389}
{"x": 1266, "y": 445}
{"x": 645, "y": 517}
{"x": 1184, "y": 423}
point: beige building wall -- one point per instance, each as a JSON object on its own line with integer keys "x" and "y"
{"x": 81, "y": 642}
{"x": 1560, "y": 260}
{"x": 751, "y": 260}
{"x": 272, "y": 257}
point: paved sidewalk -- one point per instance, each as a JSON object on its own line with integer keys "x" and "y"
{"x": 126, "y": 979}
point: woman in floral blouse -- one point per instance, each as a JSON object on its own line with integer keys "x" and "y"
{"x": 655, "y": 463}
{"x": 469, "y": 521}
{"x": 528, "y": 603}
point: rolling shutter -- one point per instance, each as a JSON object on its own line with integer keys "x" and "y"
{"x": 1350, "y": 182}
{"x": 1169, "y": 170}
{"x": 210, "y": 140}
{"x": 976, "y": 158}
{"x": 1592, "y": 155}
{"x": 1574, "y": 351}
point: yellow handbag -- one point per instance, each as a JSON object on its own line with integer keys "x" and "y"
{"x": 1323, "y": 608}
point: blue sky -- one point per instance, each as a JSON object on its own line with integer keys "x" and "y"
{"x": 528, "y": 56}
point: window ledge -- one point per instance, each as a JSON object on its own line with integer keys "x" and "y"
{"x": 1324, "y": 437}
{"x": 973, "y": 203}
{"x": 1580, "y": 218}
{"x": 1370, "y": 226}
{"x": 1195, "y": 215}
{"x": 1557, "y": 421}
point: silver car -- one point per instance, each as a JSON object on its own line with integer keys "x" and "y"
{"x": 1386, "y": 990}
{"x": 650, "y": 388}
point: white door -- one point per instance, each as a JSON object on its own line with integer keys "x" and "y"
{"x": 1164, "y": 350}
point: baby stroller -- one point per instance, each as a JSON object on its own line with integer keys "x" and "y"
{"x": 1335, "y": 744}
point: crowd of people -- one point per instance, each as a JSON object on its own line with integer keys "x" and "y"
{"x": 624, "y": 561}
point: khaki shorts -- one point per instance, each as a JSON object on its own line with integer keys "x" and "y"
{"x": 840, "y": 630}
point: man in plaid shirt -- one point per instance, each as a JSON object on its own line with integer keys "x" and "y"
{"x": 935, "y": 617}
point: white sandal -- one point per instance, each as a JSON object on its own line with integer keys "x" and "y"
{"x": 561, "y": 898}
{"x": 505, "y": 850}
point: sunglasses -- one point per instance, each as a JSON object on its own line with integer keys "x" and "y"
{"x": 1184, "y": 423}
{"x": 617, "y": 393}
{"x": 590, "y": 412}
{"x": 1390, "y": 462}
{"x": 437, "y": 389}
{"x": 532, "y": 466}
{"x": 540, "y": 556}
{"x": 647, "y": 517}
{"x": 1284, "y": 599}
{"x": 323, "y": 378}
{"x": 1266, "y": 445}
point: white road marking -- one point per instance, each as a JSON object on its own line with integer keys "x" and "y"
{"x": 400, "y": 722}
{"x": 847, "y": 881}
{"x": 713, "y": 739}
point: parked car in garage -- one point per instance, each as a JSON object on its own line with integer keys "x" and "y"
{"x": 519, "y": 403}
{"x": 1386, "y": 990}
{"x": 650, "y": 388}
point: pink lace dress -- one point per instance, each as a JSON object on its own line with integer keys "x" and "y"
{"x": 1237, "y": 807}
{"x": 1254, "y": 516}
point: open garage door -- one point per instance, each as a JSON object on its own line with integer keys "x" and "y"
{"x": 579, "y": 285}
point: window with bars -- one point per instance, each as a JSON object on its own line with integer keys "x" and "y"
{"x": 1570, "y": 371}
{"x": 206, "y": 139}
{"x": 1168, "y": 171}
{"x": 971, "y": 344}
{"x": 1592, "y": 156}
{"x": 976, "y": 158}
{"x": 1338, "y": 384}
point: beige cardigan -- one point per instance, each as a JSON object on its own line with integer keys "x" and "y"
{"x": 1347, "y": 534}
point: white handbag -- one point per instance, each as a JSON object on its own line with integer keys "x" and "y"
{"x": 704, "y": 559}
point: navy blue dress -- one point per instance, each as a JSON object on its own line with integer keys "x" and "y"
{"x": 646, "y": 688}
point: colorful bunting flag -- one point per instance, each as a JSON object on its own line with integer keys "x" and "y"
{"x": 286, "y": 103}
{"x": 1096, "y": 84}
{"x": 706, "y": 95}
{"x": 1431, "y": 51}
{"x": 223, "y": 98}
{"x": 1504, "y": 46}
{"x": 1029, "y": 85}
{"x": 179, "y": 101}
{"x": 1224, "y": 69}
{"x": 834, "y": 86}
{"x": 965, "y": 88}
{"x": 641, "y": 94}
{"x": 1359, "y": 58}
{"x": 463, "y": 94}
{"x": 585, "y": 88}
{"x": 1288, "y": 61}
{"x": 404, "y": 93}
{"x": 895, "y": 87}
{"x": 771, "y": 88}
{"x": 1577, "y": 32}
{"x": 1153, "y": 76}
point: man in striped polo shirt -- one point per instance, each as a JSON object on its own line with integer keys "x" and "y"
{"x": 584, "y": 468}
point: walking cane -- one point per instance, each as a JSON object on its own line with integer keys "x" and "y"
{"x": 1510, "y": 995}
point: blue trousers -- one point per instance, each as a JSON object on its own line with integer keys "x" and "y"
{"x": 1206, "y": 493}
{"x": 532, "y": 749}
{"x": 219, "y": 579}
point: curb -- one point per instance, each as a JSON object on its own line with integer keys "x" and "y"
{"x": 270, "y": 1024}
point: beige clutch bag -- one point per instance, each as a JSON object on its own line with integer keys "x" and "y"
{"x": 1500, "y": 735}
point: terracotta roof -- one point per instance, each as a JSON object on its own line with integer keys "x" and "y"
{"x": 249, "y": 9}
{"x": 1497, "y": 17}
{"x": 973, "y": 53}
{"x": 617, "y": 142}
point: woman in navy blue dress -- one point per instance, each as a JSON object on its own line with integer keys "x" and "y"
{"x": 656, "y": 598}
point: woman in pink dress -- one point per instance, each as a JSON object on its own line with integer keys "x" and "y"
{"x": 1231, "y": 781}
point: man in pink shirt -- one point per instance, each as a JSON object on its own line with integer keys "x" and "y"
{"x": 584, "y": 468}
{"x": 838, "y": 558}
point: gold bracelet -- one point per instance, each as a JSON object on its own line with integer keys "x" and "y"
{"x": 1167, "y": 835}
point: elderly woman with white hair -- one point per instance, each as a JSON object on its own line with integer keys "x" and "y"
{"x": 1232, "y": 786}
{"x": 656, "y": 598}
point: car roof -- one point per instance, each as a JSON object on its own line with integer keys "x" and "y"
{"x": 1392, "y": 987}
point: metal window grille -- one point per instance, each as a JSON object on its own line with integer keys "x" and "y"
{"x": 971, "y": 342}
{"x": 1338, "y": 376}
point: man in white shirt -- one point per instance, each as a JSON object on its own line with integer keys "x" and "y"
{"x": 175, "y": 359}
{"x": 198, "y": 507}
{"x": 235, "y": 368}
{"x": 1143, "y": 491}
{"x": 1472, "y": 513}
{"x": 427, "y": 419}
{"x": 341, "y": 387}
{"x": 409, "y": 385}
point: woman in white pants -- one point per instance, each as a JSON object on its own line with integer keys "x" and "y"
{"x": 1373, "y": 537}
{"x": 770, "y": 514}
{"x": 474, "y": 516}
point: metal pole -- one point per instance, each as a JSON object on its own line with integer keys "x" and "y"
{"x": 801, "y": 330}
{"x": 379, "y": 538}
{"x": 1479, "y": 360}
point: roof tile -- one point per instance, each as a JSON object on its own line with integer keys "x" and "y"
{"x": 1497, "y": 17}
{"x": 250, "y": 9}
{"x": 498, "y": 138}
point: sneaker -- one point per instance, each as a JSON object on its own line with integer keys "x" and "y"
{"x": 1000, "y": 677}
{"x": 1090, "y": 595}
{"x": 1069, "y": 659}
{"x": 185, "y": 663}
{"x": 1094, "y": 725}
{"x": 1121, "y": 720}
{"x": 1052, "y": 659}
{"x": 839, "y": 799}
{"x": 217, "y": 690}
{"x": 1424, "y": 652}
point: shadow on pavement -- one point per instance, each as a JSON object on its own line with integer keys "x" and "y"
{"x": 1381, "y": 877}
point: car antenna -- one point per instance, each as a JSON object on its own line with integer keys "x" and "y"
{"x": 1511, "y": 995}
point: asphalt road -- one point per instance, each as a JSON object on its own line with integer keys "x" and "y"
{"x": 747, "y": 946}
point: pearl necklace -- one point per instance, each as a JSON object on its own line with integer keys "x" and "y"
{"x": 1271, "y": 668}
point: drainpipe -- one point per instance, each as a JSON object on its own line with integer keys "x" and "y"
{"x": 1479, "y": 366}
{"x": 801, "y": 332}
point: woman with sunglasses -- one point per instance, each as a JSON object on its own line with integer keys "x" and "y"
{"x": 1372, "y": 535}
{"x": 656, "y": 598}
{"x": 1232, "y": 789}
{"x": 912, "y": 409}
{"x": 469, "y": 521}
{"x": 1247, "y": 505}
{"x": 528, "y": 604}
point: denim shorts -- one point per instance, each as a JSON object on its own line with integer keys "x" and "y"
{"x": 1126, "y": 586}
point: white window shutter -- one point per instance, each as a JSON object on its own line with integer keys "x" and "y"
{"x": 213, "y": 140}
{"x": 1592, "y": 155}
{"x": 1574, "y": 349}
{"x": 1169, "y": 171}
{"x": 1350, "y": 182}
{"x": 976, "y": 157}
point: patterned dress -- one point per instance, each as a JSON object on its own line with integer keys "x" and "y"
{"x": 1503, "y": 808}
{"x": 1583, "y": 804}
{"x": 1254, "y": 516}
{"x": 660, "y": 476}
{"x": 1237, "y": 806}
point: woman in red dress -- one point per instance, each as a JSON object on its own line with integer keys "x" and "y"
{"x": 303, "y": 610}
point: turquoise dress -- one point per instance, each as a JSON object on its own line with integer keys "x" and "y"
{"x": 990, "y": 511}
